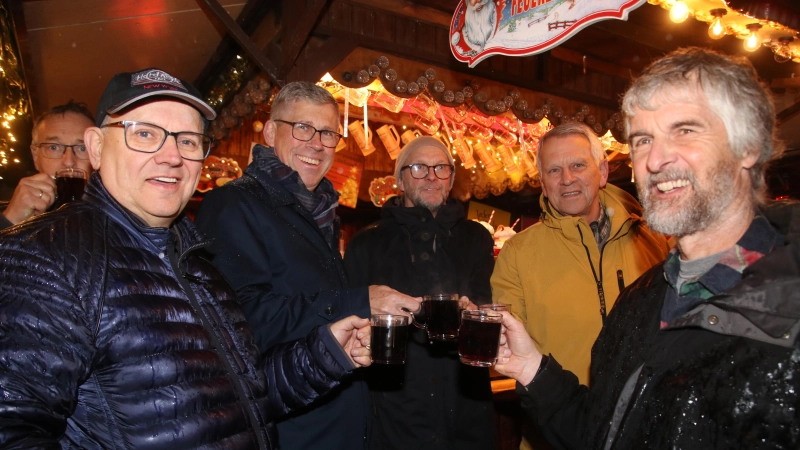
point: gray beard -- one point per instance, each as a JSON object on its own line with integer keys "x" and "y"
{"x": 478, "y": 26}
{"x": 697, "y": 212}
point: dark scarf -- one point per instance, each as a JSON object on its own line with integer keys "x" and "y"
{"x": 321, "y": 203}
{"x": 425, "y": 232}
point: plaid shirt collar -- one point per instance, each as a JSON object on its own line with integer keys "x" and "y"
{"x": 759, "y": 239}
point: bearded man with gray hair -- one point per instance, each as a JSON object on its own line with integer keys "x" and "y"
{"x": 424, "y": 245}
{"x": 702, "y": 350}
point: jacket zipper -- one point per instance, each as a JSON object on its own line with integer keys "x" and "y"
{"x": 235, "y": 378}
{"x": 599, "y": 281}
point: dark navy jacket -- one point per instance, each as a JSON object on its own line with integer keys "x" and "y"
{"x": 117, "y": 335}
{"x": 289, "y": 281}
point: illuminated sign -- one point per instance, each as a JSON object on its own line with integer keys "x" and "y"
{"x": 481, "y": 28}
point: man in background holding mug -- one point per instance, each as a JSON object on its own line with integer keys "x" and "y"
{"x": 424, "y": 245}
{"x": 57, "y": 143}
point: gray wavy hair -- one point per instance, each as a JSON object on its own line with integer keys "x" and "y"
{"x": 731, "y": 87}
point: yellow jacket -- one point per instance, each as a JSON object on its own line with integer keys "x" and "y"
{"x": 547, "y": 274}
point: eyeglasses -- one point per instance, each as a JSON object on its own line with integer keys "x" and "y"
{"x": 420, "y": 171}
{"x": 305, "y": 132}
{"x": 56, "y": 151}
{"x": 148, "y": 138}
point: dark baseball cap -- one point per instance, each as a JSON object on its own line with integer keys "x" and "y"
{"x": 127, "y": 88}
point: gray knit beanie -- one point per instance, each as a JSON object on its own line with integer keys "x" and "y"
{"x": 422, "y": 141}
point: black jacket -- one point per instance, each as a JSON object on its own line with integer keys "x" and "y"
{"x": 433, "y": 401}
{"x": 117, "y": 335}
{"x": 289, "y": 282}
{"x": 725, "y": 375}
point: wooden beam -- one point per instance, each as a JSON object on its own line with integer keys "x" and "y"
{"x": 784, "y": 83}
{"x": 297, "y": 21}
{"x": 788, "y": 113}
{"x": 590, "y": 62}
{"x": 313, "y": 64}
{"x": 213, "y": 7}
{"x": 409, "y": 9}
{"x": 252, "y": 14}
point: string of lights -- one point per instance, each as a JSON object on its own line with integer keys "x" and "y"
{"x": 725, "y": 21}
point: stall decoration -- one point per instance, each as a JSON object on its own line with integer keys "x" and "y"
{"x": 13, "y": 91}
{"x": 382, "y": 189}
{"x": 483, "y": 28}
{"x": 345, "y": 174}
{"x": 494, "y": 139}
{"x": 216, "y": 172}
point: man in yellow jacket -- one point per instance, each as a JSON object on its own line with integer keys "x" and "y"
{"x": 562, "y": 275}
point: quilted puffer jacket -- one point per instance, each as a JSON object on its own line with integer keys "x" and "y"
{"x": 117, "y": 335}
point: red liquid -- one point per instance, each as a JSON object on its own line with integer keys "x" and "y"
{"x": 443, "y": 318}
{"x": 478, "y": 342}
{"x": 68, "y": 190}
{"x": 389, "y": 344}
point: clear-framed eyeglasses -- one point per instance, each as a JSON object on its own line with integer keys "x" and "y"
{"x": 148, "y": 138}
{"x": 420, "y": 171}
{"x": 305, "y": 132}
{"x": 56, "y": 151}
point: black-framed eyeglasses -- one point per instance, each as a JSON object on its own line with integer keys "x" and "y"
{"x": 304, "y": 132}
{"x": 148, "y": 138}
{"x": 56, "y": 151}
{"x": 420, "y": 171}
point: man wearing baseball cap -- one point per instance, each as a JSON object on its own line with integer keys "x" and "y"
{"x": 114, "y": 332}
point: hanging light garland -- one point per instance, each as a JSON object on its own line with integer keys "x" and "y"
{"x": 755, "y": 32}
{"x": 14, "y": 104}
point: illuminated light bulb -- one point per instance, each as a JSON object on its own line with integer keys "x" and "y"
{"x": 679, "y": 12}
{"x": 752, "y": 42}
{"x": 717, "y": 30}
{"x": 782, "y": 52}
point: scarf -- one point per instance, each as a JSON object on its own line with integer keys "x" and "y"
{"x": 321, "y": 203}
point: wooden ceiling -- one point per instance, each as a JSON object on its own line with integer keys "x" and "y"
{"x": 71, "y": 49}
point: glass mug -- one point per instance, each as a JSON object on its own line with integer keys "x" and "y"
{"x": 494, "y": 306}
{"x": 409, "y": 135}
{"x": 391, "y": 140}
{"x": 389, "y": 101}
{"x": 363, "y": 141}
{"x": 479, "y": 337}
{"x": 70, "y": 184}
{"x": 428, "y": 125}
{"x": 441, "y": 316}
{"x": 389, "y": 338}
{"x": 424, "y": 106}
{"x": 464, "y": 153}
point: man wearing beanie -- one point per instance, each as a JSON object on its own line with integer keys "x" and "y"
{"x": 115, "y": 332}
{"x": 424, "y": 245}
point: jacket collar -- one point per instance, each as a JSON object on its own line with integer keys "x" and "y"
{"x": 621, "y": 208}
{"x": 765, "y": 304}
{"x": 278, "y": 196}
{"x": 97, "y": 196}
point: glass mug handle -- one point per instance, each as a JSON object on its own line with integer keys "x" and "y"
{"x": 420, "y": 325}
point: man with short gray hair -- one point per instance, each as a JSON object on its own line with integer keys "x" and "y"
{"x": 562, "y": 275}
{"x": 702, "y": 350}
{"x": 276, "y": 240}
